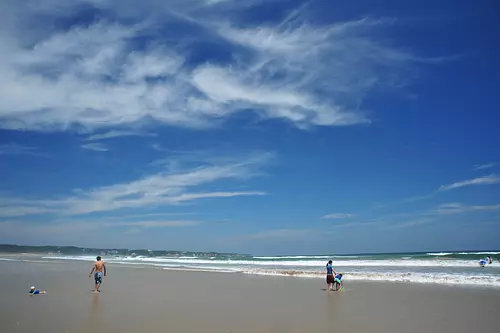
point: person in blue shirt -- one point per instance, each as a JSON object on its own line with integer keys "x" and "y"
{"x": 330, "y": 275}
{"x": 34, "y": 291}
{"x": 338, "y": 279}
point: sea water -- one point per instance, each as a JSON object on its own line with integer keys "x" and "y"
{"x": 460, "y": 268}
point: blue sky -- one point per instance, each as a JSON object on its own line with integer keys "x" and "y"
{"x": 265, "y": 127}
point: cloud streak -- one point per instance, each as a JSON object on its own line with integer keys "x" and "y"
{"x": 65, "y": 228}
{"x": 484, "y": 166}
{"x": 411, "y": 223}
{"x": 169, "y": 187}
{"x": 95, "y": 147}
{"x": 156, "y": 224}
{"x": 337, "y": 216}
{"x": 15, "y": 149}
{"x": 118, "y": 134}
{"x": 458, "y": 208}
{"x": 486, "y": 180}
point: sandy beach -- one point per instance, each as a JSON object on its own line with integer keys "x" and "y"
{"x": 145, "y": 299}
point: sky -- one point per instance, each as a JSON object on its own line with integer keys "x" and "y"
{"x": 262, "y": 127}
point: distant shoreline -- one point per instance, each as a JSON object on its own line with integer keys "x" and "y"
{"x": 75, "y": 250}
{"x": 54, "y": 249}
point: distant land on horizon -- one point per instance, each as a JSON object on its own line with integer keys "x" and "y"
{"x": 75, "y": 250}
{"x": 12, "y": 248}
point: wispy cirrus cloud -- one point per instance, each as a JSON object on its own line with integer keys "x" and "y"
{"x": 95, "y": 147}
{"x": 437, "y": 215}
{"x": 411, "y": 223}
{"x": 161, "y": 224}
{"x": 94, "y": 75}
{"x": 458, "y": 208}
{"x": 357, "y": 224}
{"x": 484, "y": 166}
{"x": 22, "y": 208}
{"x": 147, "y": 216}
{"x": 117, "y": 134}
{"x": 337, "y": 216}
{"x": 14, "y": 228}
{"x": 169, "y": 187}
{"x": 16, "y": 149}
{"x": 485, "y": 180}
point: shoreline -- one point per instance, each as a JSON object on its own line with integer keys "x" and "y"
{"x": 45, "y": 259}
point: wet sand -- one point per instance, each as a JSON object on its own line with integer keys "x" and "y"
{"x": 144, "y": 299}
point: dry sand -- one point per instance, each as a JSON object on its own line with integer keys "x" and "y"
{"x": 139, "y": 299}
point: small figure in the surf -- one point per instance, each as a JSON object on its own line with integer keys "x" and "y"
{"x": 98, "y": 270}
{"x": 486, "y": 261}
{"x": 34, "y": 291}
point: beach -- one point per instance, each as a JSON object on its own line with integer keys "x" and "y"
{"x": 138, "y": 298}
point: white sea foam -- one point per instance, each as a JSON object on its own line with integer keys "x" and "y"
{"x": 302, "y": 257}
{"x": 434, "y": 278}
{"x": 478, "y": 253}
{"x": 77, "y": 258}
{"x": 197, "y": 269}
{"x": 288, "y": 263}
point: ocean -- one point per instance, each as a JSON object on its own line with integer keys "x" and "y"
{"x": 451, "y": 268}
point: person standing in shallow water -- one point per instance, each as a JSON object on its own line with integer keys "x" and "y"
{"x": 330, "y": 275}
{"x": 98, "y": 270}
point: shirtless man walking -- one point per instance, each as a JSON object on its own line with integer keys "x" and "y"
{"x": 98, "y": 270}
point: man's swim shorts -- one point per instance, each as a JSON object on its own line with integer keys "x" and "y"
{"x": 98, "y": 277}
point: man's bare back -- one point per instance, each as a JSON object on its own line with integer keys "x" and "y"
{"x": 99, "y": 266}
{"x": 98, "y": 270}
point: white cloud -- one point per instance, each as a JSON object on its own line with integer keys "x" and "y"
{"x": 338, "y": 216}
{"x": 97, "y": 77}
{"x": 486, "y": 180}
{"x": 411, "y": 223}
{"x": 484, "y": 166}
{"x": 117, "y": 134}
{"x": 15, "y": 149}
{"x": 451, "y": 205}
{"x": 95, "y": 146}
{"x": 161, "y": 224}
{"x": 15, "y": 210}
{"x": 457, "y": 208}
{"x": 196, "y": 196}
{"x": 146, "y": 215}
{"x": 68, "y": 228}
{"x": 171, "y": 186}
{"x": 355, "y": 224}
